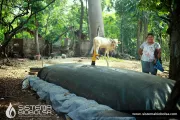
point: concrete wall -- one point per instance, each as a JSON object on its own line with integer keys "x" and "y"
{"x": 84, "y": 47}
{"x": 29, "y": 47}
{"x": 59, "y": 48}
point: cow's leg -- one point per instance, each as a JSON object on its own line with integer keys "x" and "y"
{"x": 107, "y": 53}
{"x": 97, "y": 51}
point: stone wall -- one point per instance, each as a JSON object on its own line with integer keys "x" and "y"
{"x": 84, "y": 47}
{"x": 29, "y": 47}
{"x": 25, "y": 48}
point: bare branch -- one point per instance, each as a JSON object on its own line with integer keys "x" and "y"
{"x": 20, "y": 15}
{"x": 2, "y": 21}
{"x": 46, "y": 26}
{"x": 15, "y": 30}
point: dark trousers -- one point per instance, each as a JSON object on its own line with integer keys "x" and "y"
{"x": 148, "y": 67}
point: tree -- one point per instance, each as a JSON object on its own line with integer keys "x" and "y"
{"x": 80, "y": 29}
{"x": 36, "y": 38}
{"x": 81, "y": 19}
{"x": 127, "y": 12}
{"x": 139, "y": 24}
{"x": 15, "y": 14}
{"x": 170, "y": 12}
{"x": 54, "y": 21}
{"x": 111, "y": 27}
{"x": 95, "y": 19}
{"x": 145, "y": 22}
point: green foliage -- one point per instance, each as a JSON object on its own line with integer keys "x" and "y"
{"x": 110, "y": 26}
{"x": 160, "y": 5}
{"x": 111, "y": 59}
{"x": 17, "y": 16}
{"x": 121, "y": 24}
{"x": 124, "y": 24}
{"x": 36, "y": 5}
{"x": 127, "y": 12}
{"x": 1, "y": 35}
{"x": 62, "y": 42}
{"x": 58, "y": 18}
{"x": 156, "y": 24}
{"x": 25, "y": 35}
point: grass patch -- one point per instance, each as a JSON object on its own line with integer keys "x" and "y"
{"x": 112, "y": 59}
{"x": 166, "y": 65}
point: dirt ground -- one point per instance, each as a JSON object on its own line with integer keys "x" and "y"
{"x": 11, "y": 77}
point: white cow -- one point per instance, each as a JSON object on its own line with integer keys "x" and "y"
{"x": 107, "y": 43}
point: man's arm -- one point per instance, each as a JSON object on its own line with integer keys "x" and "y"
{"x": 158, "y": 49}
{"x": 140, "y": 51}
{"x": 159, "y": 53}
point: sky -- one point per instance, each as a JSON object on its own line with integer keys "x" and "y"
{"x": 71, "y": 2}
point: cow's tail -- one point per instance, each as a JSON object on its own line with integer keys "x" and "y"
{"x": 98, "y": 31}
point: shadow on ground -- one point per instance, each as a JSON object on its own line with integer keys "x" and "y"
{"x": 10, "y": 92}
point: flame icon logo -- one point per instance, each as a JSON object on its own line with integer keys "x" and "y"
{"x": 10, "y": 112}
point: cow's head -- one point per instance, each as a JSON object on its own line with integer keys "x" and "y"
{"x": 114, "y": 43}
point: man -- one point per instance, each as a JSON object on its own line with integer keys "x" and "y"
{"x": 146, "y": 52}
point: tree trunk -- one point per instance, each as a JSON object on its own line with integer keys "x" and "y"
{"x": 138, "y": 37}
{"x": 36, "y": 39}
{"x": 3, "y": 54}
{"x": 5, "y": 42}
{"x": 73, "y": 39}
{"x": 7, "y": 39}
{"x": 122, "y": 44}
{"x": 81, "y": 19}
{"x": 95, "y": 20}
{"x": 78, "y": 49}
{"x": 122, "y": 41}
{"x": 87, "y": 17}
{"x": 145, "y": 21}
{"x": 174, "y": 68}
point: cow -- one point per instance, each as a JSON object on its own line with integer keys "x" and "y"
{"x": 107, "y": 43}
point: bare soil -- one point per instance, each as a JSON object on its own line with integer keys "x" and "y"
{"x": 11, "y": 77}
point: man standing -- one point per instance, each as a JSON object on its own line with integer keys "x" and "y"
{"x": 146, "y": 52}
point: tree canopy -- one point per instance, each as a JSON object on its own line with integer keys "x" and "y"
{"x": 122, "y": 18}
{"x": 127, "y": 20}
